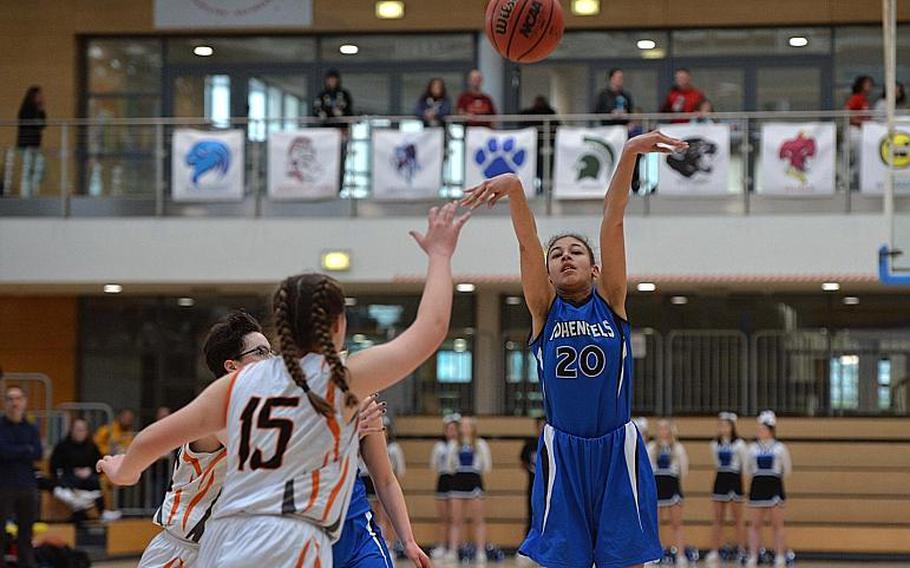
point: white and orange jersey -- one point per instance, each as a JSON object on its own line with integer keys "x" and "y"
{"x": 195, "y": 486}
{"x": 284, "y": 457}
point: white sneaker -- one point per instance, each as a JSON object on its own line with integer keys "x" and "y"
{"x": 712, "y": 559}
{"x": 780, "y": 562}
{"x": 481, "y": 558}
{"x": 450, "y": 557}
{"x": 438, "y": 553}
{"x": 682, "y": 562}
{"x": 108, "y": 516}
{"x": 752, "y": 562}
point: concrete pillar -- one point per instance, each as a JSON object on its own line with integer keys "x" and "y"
{"x": 492, "y": 65}
{"x": 489, "y": 375}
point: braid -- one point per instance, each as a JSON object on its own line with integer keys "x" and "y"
{"x": 290, "y": 351}
{"x": 324, "y": 339}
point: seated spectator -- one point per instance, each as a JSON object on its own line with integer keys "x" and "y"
{"x": 333, "y": 102}
{"x": 683, "y": 97}
{"x": 614, "y": 100}
{"x": 115, "y": 438}
{"x": 72, "y": 471}
{"x": 434, "y": 104}
{"x": 704, "y": 113}
{"x": 900, "y": 100}
{"x": 859, "y": 100}
{"x": 475, "y": 103}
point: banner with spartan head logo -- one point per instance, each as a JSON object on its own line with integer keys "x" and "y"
{"x": 585, "y": 160}
{"x": 876, "y": 151}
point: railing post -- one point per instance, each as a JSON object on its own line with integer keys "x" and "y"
{"x": 255, "y": 178}
{"x": 160, "y": 156}
{"x": 546, "y": 184}
{"x": 64, "y": 170}
{"x": 746, "y": 151}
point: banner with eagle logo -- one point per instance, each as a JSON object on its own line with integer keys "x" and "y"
{"x": 305, "y": 164}
{"x": 701, "y": 169}
{"x": 207, "y": 165}
{"x": 876, "y": 152}
{"x": 407, "y": 165}
{"x": 585, "y": 160}
{"x": 489, "y": 153}
{"x": 797, "y": 158}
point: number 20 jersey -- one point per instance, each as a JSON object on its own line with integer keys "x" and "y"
{"x": 584, "y": 361}
{"x": 284, "y": 457}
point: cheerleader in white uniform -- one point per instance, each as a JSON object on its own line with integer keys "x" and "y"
{"x": 730, "y": 455}
{"x": 769, "y": 465}
{"x": 470, "y": 459}
{"x": 671, "y": 465}
{"x": 439, "y": 462}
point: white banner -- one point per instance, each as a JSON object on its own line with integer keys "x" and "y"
{"x": 207, "y": 166}
{"x": 585, "y": 160}
{"x": 305, "y": 164}
{"x": 407, "y": 165}
{"x": 701, "y": 169}
{"x": 489, "y": 153}
{"x": 195, "y": 14}
{"x": 798, "y": 158}
{"x": 875, "y": 155}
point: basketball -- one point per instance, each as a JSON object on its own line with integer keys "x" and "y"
{"x": 524, "y": 31}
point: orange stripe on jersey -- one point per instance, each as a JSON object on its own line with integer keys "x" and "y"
{"x": 222, "y": 454}
{"x": 302, "y": 556}
{"x": 314, "y": 491}
{"x": 330, "y": 420}
{"x": 227, "y": 400}
{"x": 176, "y": 506}
{"x": 195, "y": 500}
{"x": 170, "y": 563}
{"x": 334, "y": 494}
{"x": 192, "y": 461}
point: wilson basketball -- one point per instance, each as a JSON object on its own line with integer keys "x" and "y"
{"x": 524, "y": 31}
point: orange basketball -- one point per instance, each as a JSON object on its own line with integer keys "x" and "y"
{"x": 524, "y": 31}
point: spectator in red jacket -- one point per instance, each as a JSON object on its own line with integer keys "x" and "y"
{"x": 683, "y": 97}
{"x": 859, "y": 100}
{"x": 474, "y": 102}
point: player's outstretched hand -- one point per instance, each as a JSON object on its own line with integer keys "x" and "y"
{"x": 112, "y": 467}
{"x": 491, "y": 191}
{"x": 371, "y": 412}
{"x": 655, "y": 141}
{"x": 442, "y": 231}
{"x": 416, "y": 555}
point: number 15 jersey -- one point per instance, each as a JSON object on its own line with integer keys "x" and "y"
{"x": 584, "y": 361}
{"x": 284, "y": 458}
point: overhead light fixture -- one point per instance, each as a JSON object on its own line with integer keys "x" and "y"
{"x": 830, "y": 286}
{"x": 644, "y": 44}
{"x": 513, "y": 300}
{"x": 389, "y": 9}
{"x": 348, "y": 49}
{"x": 647, "y": 286}
{"x": 186, "y": 302}
{"x": 585, "y": 7}
{"x": 465, "y": 287}
{"x": 469, "y": 331}
{"x": 350, "y": 302}
{"x": 113, "y": 288}
{"x": 798, "y": 41}
{"x": 203, "y": 50}
{"x": 336, "y": 260}
{"x": 460, "y": 345}
{"x": 359, "y": 338}
{"x": 851, "y": 300}
{"x": 679, "y": 300}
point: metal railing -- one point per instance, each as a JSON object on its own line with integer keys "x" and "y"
{"x": 115, "y": 167}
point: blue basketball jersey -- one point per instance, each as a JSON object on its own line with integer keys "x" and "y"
{"x": 359, "y": 502}
{"x": 584, "y": 361}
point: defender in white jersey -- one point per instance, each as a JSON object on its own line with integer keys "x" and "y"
{"x": 291, "y": 447}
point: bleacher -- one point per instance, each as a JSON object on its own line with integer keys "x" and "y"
{"x": 849, "y": 493}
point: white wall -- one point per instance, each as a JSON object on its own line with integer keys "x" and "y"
{"x": 225, "y": 251}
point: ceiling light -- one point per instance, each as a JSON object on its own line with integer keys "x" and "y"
{"x": 647, "y": 286}
{"x": 585, "y": 7}
{"x": 513, "y": 300}
{"x": 186, "y": 302}
{"x": 646, "y": 44}
{"x": 113, "y": 288}
{"x": 851, "y": 300}
{"x": 203, "y": 50}
{"x": 389, "y": 9}
{"x": 465, "y": 287}
{"x": 798, "y": 41}
{"x": 460, "y": 345}
{"x": 830, "y": 286}
{"x": 359, "y": 338}
{"x": 348, "y": 49}
{"x": 679, "y": 300}
{"x": 336, "y": 260}
{"x": 350, "y": 302}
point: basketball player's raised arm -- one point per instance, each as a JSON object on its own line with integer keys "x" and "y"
{"x": 535, "y": 283}
{"x": 204, "y": 416}
{"x": 613, "y": 277}
{"x": 377, "y": 368}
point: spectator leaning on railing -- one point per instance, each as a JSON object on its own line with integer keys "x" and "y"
{"x": 614, "y": 99}
{"x": 72, "y": 471}
{"x": 474, "y": 102}
{"x": 28, "y": 142}
{"x": 115, "y": 438}
{"x": 434, "y": 105}
{"x": 683, "y": 96}
{"x": 900, "y": 100}
{"x": 333, "y": 102}
{"x": 859, "y": 99}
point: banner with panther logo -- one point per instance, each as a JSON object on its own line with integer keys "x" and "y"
{"x": 703, "y": 168}
{"x": 305, "y": 164}
{"x": 585, "y": 160}
{"x": 875, "y": 153}
{"x": 797, "y": 158}
{"x": 207, "y": 166}
{"x": 407, "y": 165}
{"x": 489, "y": 153}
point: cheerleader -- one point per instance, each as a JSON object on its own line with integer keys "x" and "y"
{"x": 730, "y": 455}
{"x": 671, "y": 465}
{"x": 769, "y": 465}
{"x": 439, "y": 462}
{"x": 470, "y": 459}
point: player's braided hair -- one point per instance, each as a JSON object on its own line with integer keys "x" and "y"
{"x": 305, "y": 306}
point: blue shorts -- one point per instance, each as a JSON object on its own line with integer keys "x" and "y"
{"x": 361, "y": 545}
{"x": 594, "y": 502}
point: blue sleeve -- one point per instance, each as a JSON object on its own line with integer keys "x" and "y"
{"x": 445, "y": 109}
{"x": 420, "y": 107}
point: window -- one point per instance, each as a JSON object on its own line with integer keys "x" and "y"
{"x": 845, "y": 382}
{"x": 454, "y": 366}
{"x": 858, "y": 51}
{"x": 388, "y": 48}
{"x": 884, "y": 383}
{"x": 233, "y": 50}
{"x": 756, "y": 41}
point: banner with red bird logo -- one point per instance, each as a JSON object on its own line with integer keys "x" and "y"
{"x": 797, "y": 158}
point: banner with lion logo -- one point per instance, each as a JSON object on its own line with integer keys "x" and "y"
{"x": 703, "y": 168}
{"x": 207, "y": 166}
{"x": 407, "y": 165}
{"x": 489, "y": 153}
{"x": 305, "y": 164}
{"x": 585, "y": 160}
{"x": 797, "y": 158}
{"x": 876, "y": 151}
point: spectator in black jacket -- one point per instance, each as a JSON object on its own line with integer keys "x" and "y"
{"x": 333, "y": 102}
{"x": 20, "y": 448}
{"x": 72, "y": 470}
{"x": 28, "y": 141}
{"x": 614, "y": 99}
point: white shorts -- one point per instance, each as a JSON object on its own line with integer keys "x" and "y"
{"x": 264, "y": 540}
{"x": 170, "y": 551}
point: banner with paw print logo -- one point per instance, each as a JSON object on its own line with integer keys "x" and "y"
{"x": 489, "y": 153}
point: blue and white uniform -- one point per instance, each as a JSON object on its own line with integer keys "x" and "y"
{"x": 594, "y": 496}
{"x": 439, "y": 462}
{"x": 469, "y": 464}
{"x": 361, "y": 544}
{"x": 671, "y": 465}
{"x": 769, "y": 464}
{"x": 729, "y": 459}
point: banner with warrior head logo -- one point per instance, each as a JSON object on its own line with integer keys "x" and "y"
{"x": 585, "y": 160}
{"x": 207, "y": 165}
{"x": 305, "y": 164}
{"x": 407, "y": 165}
{"x": 877, "y": 151}
{"x": 797, "y": 158}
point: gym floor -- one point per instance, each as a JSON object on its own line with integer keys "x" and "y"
{"x": 511, "y": 564}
